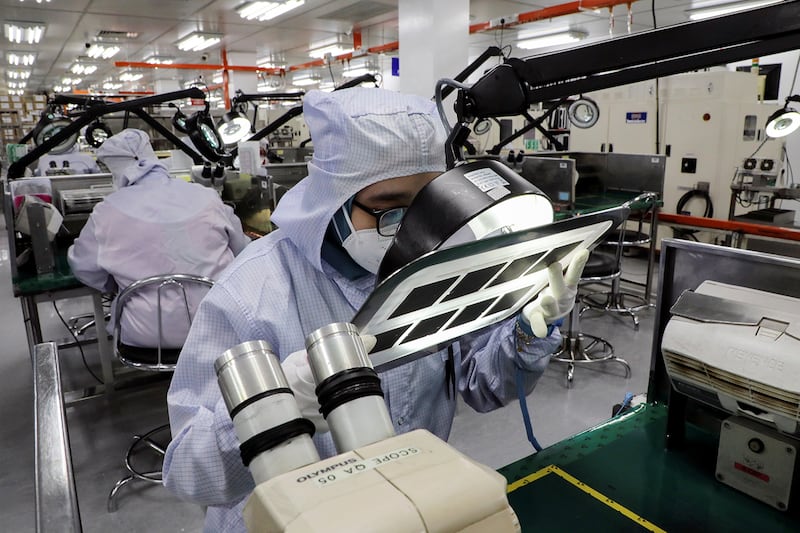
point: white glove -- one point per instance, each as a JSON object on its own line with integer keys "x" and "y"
{"x": 301, "y": 381}
{"x": 558, "y": 299}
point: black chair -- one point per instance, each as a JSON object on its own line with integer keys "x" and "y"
{"x": 603, "y": 266}
{"x": 156, "y": 359}
{"x": 608, "y": 264}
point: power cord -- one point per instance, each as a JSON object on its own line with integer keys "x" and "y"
{"x": 78, "y": 343}
{"x": 626, "y": 402}
{"x": 523, "y": 406}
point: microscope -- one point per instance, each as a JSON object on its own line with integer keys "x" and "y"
{"x": 379, "y": 481}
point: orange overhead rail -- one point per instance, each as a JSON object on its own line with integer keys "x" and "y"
{"x": 200, "y": 66}
{"x": 763, "y": 230}
{"x": 560, "y": 10}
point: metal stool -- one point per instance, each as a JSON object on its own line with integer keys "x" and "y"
{"x": 616, "y": 300}
{"x": 140, "y": 441}
{"x": 158, "y": 359}
{"x": 579, "y": 348}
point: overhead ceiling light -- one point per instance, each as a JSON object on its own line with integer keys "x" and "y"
{"x": 198, "y": 40}
{"x": 706, "y": 10}
{"x": 38, "y": 1}
{"x": 83, "y": 69}
{"x": 16, "y": 92}
{"x": 356, "y": 70}
{"x": 216, "y": 78}
{"x": 335, "y": 47}
{"x": 783, "y": 121}
{"x": 129, "y": 75}
{"x": 305, "y": 78}
{"x": 24, "y": 32}
{"x": 17, "y": 84}
{"x": 267, "y": 10}
{"x": 18, "y": 74}
{"x": 159, "y": 60}
{"x": 110, "y": 85}
{"x": 543, "y": 40}
{"x": 20, "y": 59}
{"x": 101, "y": 51}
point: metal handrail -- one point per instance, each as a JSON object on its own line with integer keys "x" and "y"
{"x": 56, "y": 494}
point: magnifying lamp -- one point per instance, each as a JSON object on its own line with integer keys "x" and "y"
{"x": 204, "y": 135}
{"x": 97, "y": 133}
{"x": 583, "y": 113}
{"x": 179, "y": 120}
{"x": 467, "y": 203}
{"x": 234, "y": 127}
{"x": 783, "y": 121}
{"x": 49, "y": 125}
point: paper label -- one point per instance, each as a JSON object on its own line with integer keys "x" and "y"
{"x": 485, "y": 179}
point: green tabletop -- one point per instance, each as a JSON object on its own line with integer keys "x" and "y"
{"x": 598, "y": 202}
{"x": 619, "y": 477}
{"x": 28, "y": 283}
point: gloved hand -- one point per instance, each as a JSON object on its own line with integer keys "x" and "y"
{"x": 557, "y": 300}
{"x": 298, "y": 373}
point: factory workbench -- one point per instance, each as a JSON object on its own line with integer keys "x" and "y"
{"x": 618, "y": 476}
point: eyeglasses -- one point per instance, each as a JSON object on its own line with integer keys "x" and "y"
{"x": 388, "y": 219}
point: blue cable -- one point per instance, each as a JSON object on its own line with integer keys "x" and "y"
{"x": 625, "y": 403}
{"x": 523, "y": 405}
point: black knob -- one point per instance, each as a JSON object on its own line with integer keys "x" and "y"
{"x": 756, "y": 445}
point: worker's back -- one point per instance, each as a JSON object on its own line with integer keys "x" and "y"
{"x": 159, "y": 225}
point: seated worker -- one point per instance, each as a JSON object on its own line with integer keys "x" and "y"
{"x": 152, "y": 224}
{"x": 373, "y": 151}
{"x": 72, "y": 161}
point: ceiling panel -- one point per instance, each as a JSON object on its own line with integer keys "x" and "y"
{"x": 160, "y": 23}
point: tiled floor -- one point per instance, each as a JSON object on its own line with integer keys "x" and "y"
{"x": 100, "y": 431}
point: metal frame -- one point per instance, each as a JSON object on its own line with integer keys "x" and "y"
{"x": 509, "y": 89}
{"x": 17, "y": 169}
{"x": 162, "y": 281}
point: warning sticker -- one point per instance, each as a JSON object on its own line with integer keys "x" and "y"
{"x": 485, "y": 179}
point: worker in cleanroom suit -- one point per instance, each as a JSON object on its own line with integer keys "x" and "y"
{"x": 153, "y": 224}
{"x": 373, "y": 151}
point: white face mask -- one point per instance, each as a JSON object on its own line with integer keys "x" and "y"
{"x": 367, "y": 248}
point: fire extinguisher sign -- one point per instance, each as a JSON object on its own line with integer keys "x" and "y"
{"x": 636, "y": 117}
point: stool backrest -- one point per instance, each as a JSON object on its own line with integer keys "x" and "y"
{"x": 643, "y": 206}
{"x": 153, "y": 358}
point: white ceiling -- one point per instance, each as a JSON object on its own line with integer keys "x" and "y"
{"x": 73, "y": 23}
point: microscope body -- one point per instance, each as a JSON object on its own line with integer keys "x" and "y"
{"x": 410, "y": 482}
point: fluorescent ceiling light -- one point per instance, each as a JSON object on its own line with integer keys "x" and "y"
{"x": 83, "y": 70}
{"x": 70, "y": 81}
{"x": 100, "y": 51}
{"x": 16, "y": 92}
{"x": 109, "y": 85}
{"x": 198, "y": 40}
{"x": 24, "y": 32}
{"x": 17, "y": 84}
{"x": 130, "y": 76}
{"x": 531, "y": 41}
{"x": 18, "y": 74}
{"x": 267, "y": 10}
{"x": 305, "y": 79}
{"x": 216, "y": 78}
{"x": 20, "y": 59}
{"x": 709, "y": 10}
{"x": 159, "y": 60}
{"x": 335, "y": 47}
{"x": 355, "y": 72}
